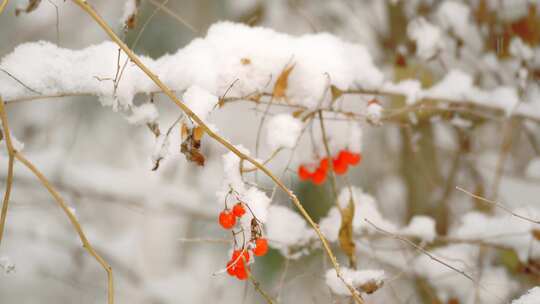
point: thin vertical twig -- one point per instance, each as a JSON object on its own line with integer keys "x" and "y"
{"x": 11, "y": 160}
{"x": 72, "y": 218}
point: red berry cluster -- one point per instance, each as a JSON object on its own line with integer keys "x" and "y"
{"x": 227, "y": 218}
{"x": 238, "y": 264}
{"x": 341, "y": 164}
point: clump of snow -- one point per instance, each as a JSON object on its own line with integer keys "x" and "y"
{"x": 519, "y": 49}
{"x": 531, "y": 297}
{"x": 200, "y": 101}
{"x": 145, "y": 113}
{"x": 6, "y": 265}
{"x": 374, "y": 113}
{"x": 427, "y": 37}
{"x": 355, "y": 278}
{"x": 411, "y": 88}
{"x": 283, "y": 131}
{"x": 286, "y": 229}
{"x": 421, "y": 226}
{"x": 533, "y": 168}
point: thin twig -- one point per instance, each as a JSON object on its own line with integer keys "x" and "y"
{"x": 74, "y": 222}
{"x": 3, "y": 5}
{"x": 9, "y": 180}
{"x": 88, "y": 9}
{"x": 498, "y": 205}
{"x": 175, "y": 16}
{"x": 19, "y": 81}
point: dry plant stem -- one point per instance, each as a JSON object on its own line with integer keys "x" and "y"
{"x": 74, "y": 222}
{"x": 88, "y": 9}
{"x": 329, "y": 157}
{"x": 258, "y": 288}
{"x": 56, "y": 196}
{"x": 169, "y": 12}
{"x": 3, "y": 5}
{"x": 9, "y": 179}
{"x": 498, "y": 205}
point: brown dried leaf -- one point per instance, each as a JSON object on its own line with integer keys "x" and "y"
{"x": 346, "y": 232}
{"x": 282, "y": 82}
{"x": 371, "y": 286}
{"x": 31, "y": 6}
{"x": 184, "y": 131}
{"x": 245, "y": 61}
{"x": 131, "y": 20}
{"x": 336, "y": 92}
{"x": 297, "y": 113}
{"x": 198, "y": 133}
{"x": 536, "y": 234}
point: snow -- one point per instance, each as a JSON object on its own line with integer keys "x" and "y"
{"x": 421, "y": 226}
{"x": 502, "y": 229}
{"x": 533, "y": 168}
{"x": 285, "y": 229}
{"x": 6, "y": 265}
{"x": 531, "y": 297}
{"x": 253, "y": 55}
{"x": 454, "y": 16}
{"x": 199, "y": 101}
{"x": 355, "y": 278}
{"x": 374, "y": 113}
{"x": 283, "y": 131}
{"x": 427, "y": 37}
{"x": 143, "y": 114}
{"x": 130, "y": 9}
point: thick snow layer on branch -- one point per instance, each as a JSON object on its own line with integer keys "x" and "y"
{"x": 421, "y": 226}
{"x": 531, "y": 297}
{"x": 355, "y": 278}
{"x": 253, "y": 56}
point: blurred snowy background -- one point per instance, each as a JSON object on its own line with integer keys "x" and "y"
{"x": 153, "y": 226}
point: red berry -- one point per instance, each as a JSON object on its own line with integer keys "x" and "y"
{"x": 323, "y": 165}
{"x": 237, "y": 253}
{"x": 241, "y": 272}
{"x": 340, "y": 165}
{"x": 304, "y": 173}
{"x": 351, "y": 158}
{"x": 227, "y": 220}
{"x": 318, "y": 177}
{"x": 231, "y": 269}
{"x": 261, "y": 247}
{"x": 238, "y": 209}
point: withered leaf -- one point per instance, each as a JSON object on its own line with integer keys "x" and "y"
{"x": 371, "y": 286}
{"x": 297, "y": 113}
{"x": 32, "y": 5}
{"x": 345, "y": 235}
{"x": 198, "y": 133}
{"x": 536, "y": 234}
{"x": 336, "y": 92}
{"x": 191, "y": 144}
{"x": 245, "y": 61}
{"x": 282, "y": 82}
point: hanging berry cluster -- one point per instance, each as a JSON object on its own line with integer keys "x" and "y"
{"x": 238, "y": 265}
{"x": 340, "y": 163}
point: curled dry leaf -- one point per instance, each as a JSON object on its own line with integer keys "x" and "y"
{"x": 282, "y": 82}
{"x": 346, "y": 241}
{"x": 336, "y": 93}
{"x": 191, "y": 144}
